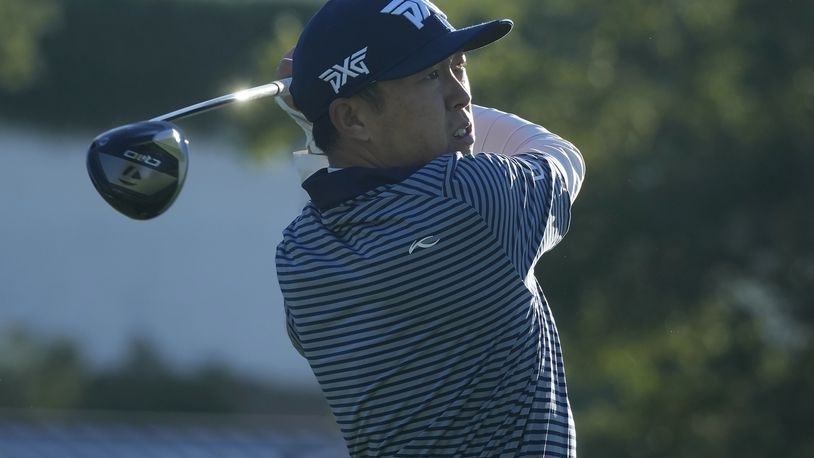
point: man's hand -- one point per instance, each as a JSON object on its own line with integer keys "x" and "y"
{"x": 312, "y": 158}
{"x": 284, "y": 70}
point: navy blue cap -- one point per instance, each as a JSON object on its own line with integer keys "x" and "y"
{"x": 349, "y": 44}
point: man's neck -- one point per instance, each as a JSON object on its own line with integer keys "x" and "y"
{"x": 344, "y": 156}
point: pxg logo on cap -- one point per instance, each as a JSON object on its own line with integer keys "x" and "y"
{"x": 353, "y": 66}
{"x": 350, "y": 44}
{"x": 416, "y": 11}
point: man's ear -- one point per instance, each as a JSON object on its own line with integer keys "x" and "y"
{"x": 345, "y": 116}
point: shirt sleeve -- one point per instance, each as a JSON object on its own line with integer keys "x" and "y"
{"x": 523, "y": 190}
{"x": 292, "y": 332}
{"x": 505, "y": 133}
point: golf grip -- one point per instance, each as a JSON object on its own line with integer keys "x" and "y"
{"x": 272, "y": 89}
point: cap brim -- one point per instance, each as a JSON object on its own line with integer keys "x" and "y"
{"x": 466, "y": 39}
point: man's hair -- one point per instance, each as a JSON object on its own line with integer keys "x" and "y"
{"x": 325, "y": 133}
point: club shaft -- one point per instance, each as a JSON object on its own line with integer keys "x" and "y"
{"x": 272, "y": 89}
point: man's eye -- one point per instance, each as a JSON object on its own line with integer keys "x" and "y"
{"x": 433, "y": 75}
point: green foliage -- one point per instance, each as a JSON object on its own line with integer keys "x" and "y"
{"x": 705, "y": 385}
{"x": 111, "y": 63}
{"x": 22, "y": 25}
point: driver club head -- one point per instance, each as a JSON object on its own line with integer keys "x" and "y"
{"x": 139, "y": 168}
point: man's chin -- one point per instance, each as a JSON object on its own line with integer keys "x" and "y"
{"x": 463, "y": 144}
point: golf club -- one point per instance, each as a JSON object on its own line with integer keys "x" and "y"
{"x": 140, "y": 168}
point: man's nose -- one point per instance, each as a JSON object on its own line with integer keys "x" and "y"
{"x": 458, "y": 96}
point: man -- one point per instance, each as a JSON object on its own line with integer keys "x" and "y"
{"x": 408, "y": 278}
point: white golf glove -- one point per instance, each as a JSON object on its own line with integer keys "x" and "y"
{"x": 312, "y": 158}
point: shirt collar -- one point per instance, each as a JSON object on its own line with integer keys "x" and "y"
{"x": 327, "y": 190}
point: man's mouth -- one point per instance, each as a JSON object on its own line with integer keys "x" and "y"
{"x": 463, "y": 131}
{"x": 463, "y": 138}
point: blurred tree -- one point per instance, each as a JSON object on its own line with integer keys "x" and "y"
{"x": 36, "y": 374}
{"x": 33, "y": 376}
{"x": 22, "y": 25}
{"x": 110, "y": 63}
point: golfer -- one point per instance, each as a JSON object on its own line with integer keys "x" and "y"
{"x": 408, "y": 279}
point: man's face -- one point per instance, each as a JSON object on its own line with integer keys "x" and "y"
{"x": 423, "y": 116}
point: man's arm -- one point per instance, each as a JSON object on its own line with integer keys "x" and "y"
{"x": 523, "y": 186}
{"x": 507, "y": 134}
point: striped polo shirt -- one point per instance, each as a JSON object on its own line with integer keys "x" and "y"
{"x": 411, "y": 293}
